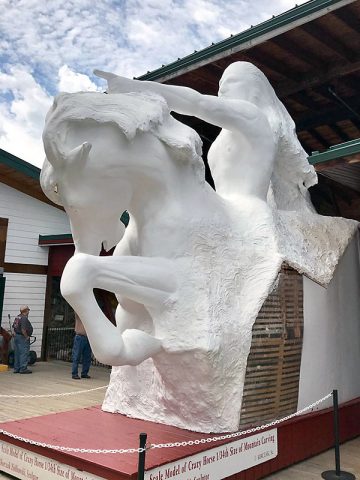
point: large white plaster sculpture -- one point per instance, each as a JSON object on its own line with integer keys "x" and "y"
{"x": 194, "y": 266}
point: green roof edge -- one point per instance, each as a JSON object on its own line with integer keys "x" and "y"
{"x": 337, "y": 151}
{"x": 55, "y": 238}
{"x": 15, "y": 162}
{"x": 283, "y": 19}
{"x": 61, "y": 236}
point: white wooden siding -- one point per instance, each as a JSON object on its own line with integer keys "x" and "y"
{"x": 29, "y": 218}
{"x": 26, "y": 289}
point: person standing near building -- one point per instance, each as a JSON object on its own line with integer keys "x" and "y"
{"x": 22, "y": 333}
{"x": 81, "y": 349}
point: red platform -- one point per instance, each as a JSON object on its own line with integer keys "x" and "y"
{"x": 298, "y": 439}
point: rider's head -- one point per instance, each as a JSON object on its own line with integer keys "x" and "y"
{"x": 244, "y": 81}
{"x": 24, "y": 309}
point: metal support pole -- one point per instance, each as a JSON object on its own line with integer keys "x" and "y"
{"x": 2, "y": 291}
{"x": 336, "y": 432}
{"x": 337, "y": 474}
{"x": 141, "y": 463}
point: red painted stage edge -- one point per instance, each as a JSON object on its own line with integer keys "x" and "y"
{"x": 298, "y": 439}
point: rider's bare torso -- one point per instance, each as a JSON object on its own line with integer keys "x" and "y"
{"x": 242, "y": 165}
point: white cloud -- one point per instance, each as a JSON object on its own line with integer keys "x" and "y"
{"x": 201, "y": 13}
{"x": 22, "y": 118}
{"x": 70, "y": 81}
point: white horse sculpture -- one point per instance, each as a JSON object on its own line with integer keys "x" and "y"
{"x": 187, "y": 270}
{"x": 193, "y": 268}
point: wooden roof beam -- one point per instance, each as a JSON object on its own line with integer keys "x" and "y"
{"x": 348, "y": 17}
{"x": 265, "y": 61}
{"x": 295, "y": 49}
{"x": 325, "y": 38}
{"x": 327, "y": 116}
{"x": 215, "y": 71}
{"x": 303, "y": 99}
{"x": 350, "y": 82}
{"x": 319, "y": 138}
{"x": 206, "y": 78}
{"x": 321, "y": 76}
{"x": 355, "y": 122}
{"x": 325, "y": 91}
{"x": 344, "y": 137}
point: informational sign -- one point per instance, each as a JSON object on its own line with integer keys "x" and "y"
{"x": 26, "y": 465}
{"x": 220, "y": 462}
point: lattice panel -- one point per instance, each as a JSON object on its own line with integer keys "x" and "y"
{"x": 273, "y": 370}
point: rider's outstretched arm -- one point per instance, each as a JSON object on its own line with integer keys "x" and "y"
{"x": 226, "y": 113}
{"x": 180, "y": 99}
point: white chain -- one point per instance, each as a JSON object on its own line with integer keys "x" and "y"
{"x": 241, "y": 432}
{"x": 170, "y": 445}
{"x": 47, "y": 395}
{"x": 69, "y": 449}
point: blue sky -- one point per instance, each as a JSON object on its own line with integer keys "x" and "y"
{"x": 48, "y": 46}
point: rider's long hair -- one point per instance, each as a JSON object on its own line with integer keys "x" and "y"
{"x": 292, "y": 174}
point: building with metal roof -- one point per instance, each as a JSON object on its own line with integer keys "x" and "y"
{"x": 310, "y": 55}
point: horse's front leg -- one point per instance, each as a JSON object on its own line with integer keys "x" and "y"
{"x": 147, "y": 281}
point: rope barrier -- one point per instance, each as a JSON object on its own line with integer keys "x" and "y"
{"x": 48, "y": 395}
{"x": 168, "y": 445}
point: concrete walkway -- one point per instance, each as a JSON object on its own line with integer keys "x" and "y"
{"x": 311, "y": 469}
{"x": 49, "y": 377}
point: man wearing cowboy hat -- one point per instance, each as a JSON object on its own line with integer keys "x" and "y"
{"x": 22, "y": 332}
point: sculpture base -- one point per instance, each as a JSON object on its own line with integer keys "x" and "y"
{"x": 297, "y": 439}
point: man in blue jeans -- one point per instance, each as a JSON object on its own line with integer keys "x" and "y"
{"x": 81, "y": 349}
{"x": 22, "y": 332}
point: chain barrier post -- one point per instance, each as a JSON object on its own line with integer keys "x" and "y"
{"x": 142, "y": 453}
{"x": 337, "y": 474}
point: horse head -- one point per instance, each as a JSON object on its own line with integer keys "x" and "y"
{"x": 94, "y": 162}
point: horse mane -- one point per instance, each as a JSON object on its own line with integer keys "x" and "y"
{"x": 132, "y": 113}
